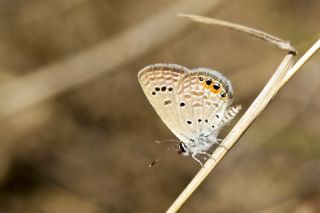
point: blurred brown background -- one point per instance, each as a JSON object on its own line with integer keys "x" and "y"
{"x": 77, "y": 133}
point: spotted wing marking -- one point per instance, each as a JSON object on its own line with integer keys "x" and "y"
{"x": 202, "y": 101}
{"x": 160, "y": 83}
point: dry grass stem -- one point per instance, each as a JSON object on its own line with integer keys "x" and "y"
{"x": 75, "y": 123}
{"x": 253, "y": 32}
{"x": 245, "y": 121}
{"x": 283, "y": 73}
{"x": 302, "y": 61}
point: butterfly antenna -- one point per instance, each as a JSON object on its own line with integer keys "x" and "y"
{"x": 170, "y": 148}
{"x": 164, "y": 141}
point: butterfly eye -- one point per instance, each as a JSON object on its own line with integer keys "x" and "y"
{"x": 181, "y": 147}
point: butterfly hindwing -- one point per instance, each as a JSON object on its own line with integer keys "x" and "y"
{"x": 206, "y": 96}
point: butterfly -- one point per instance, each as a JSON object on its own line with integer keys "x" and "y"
{"x": 193, "y": 103}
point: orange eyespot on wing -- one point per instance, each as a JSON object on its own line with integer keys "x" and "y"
{"x": 207, "y": 83}
{"x": 216, "y": 87}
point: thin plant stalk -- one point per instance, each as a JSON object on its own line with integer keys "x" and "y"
{"x": 283, "y": 73}
{"x": 244, "y": 29}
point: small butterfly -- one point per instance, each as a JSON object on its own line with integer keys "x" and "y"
{"x": 194, "y": 104}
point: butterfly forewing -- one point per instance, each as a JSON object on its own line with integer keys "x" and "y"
{"x": 160, "y": 83}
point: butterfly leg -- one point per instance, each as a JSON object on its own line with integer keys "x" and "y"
{"x": 204, "y": 153}
{"x": 223, "y": 146}
{"x": 230, "y": 113}
{"x": 209, "y": 156}
{"x": 194, "y": 156}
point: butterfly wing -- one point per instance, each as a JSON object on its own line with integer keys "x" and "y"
{"x": 160, "y": 85}
{"x": 192, "y": 103}
{"x": 205, "y": 95}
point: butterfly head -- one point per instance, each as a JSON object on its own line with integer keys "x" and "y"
{"x": 183, "y": 149}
